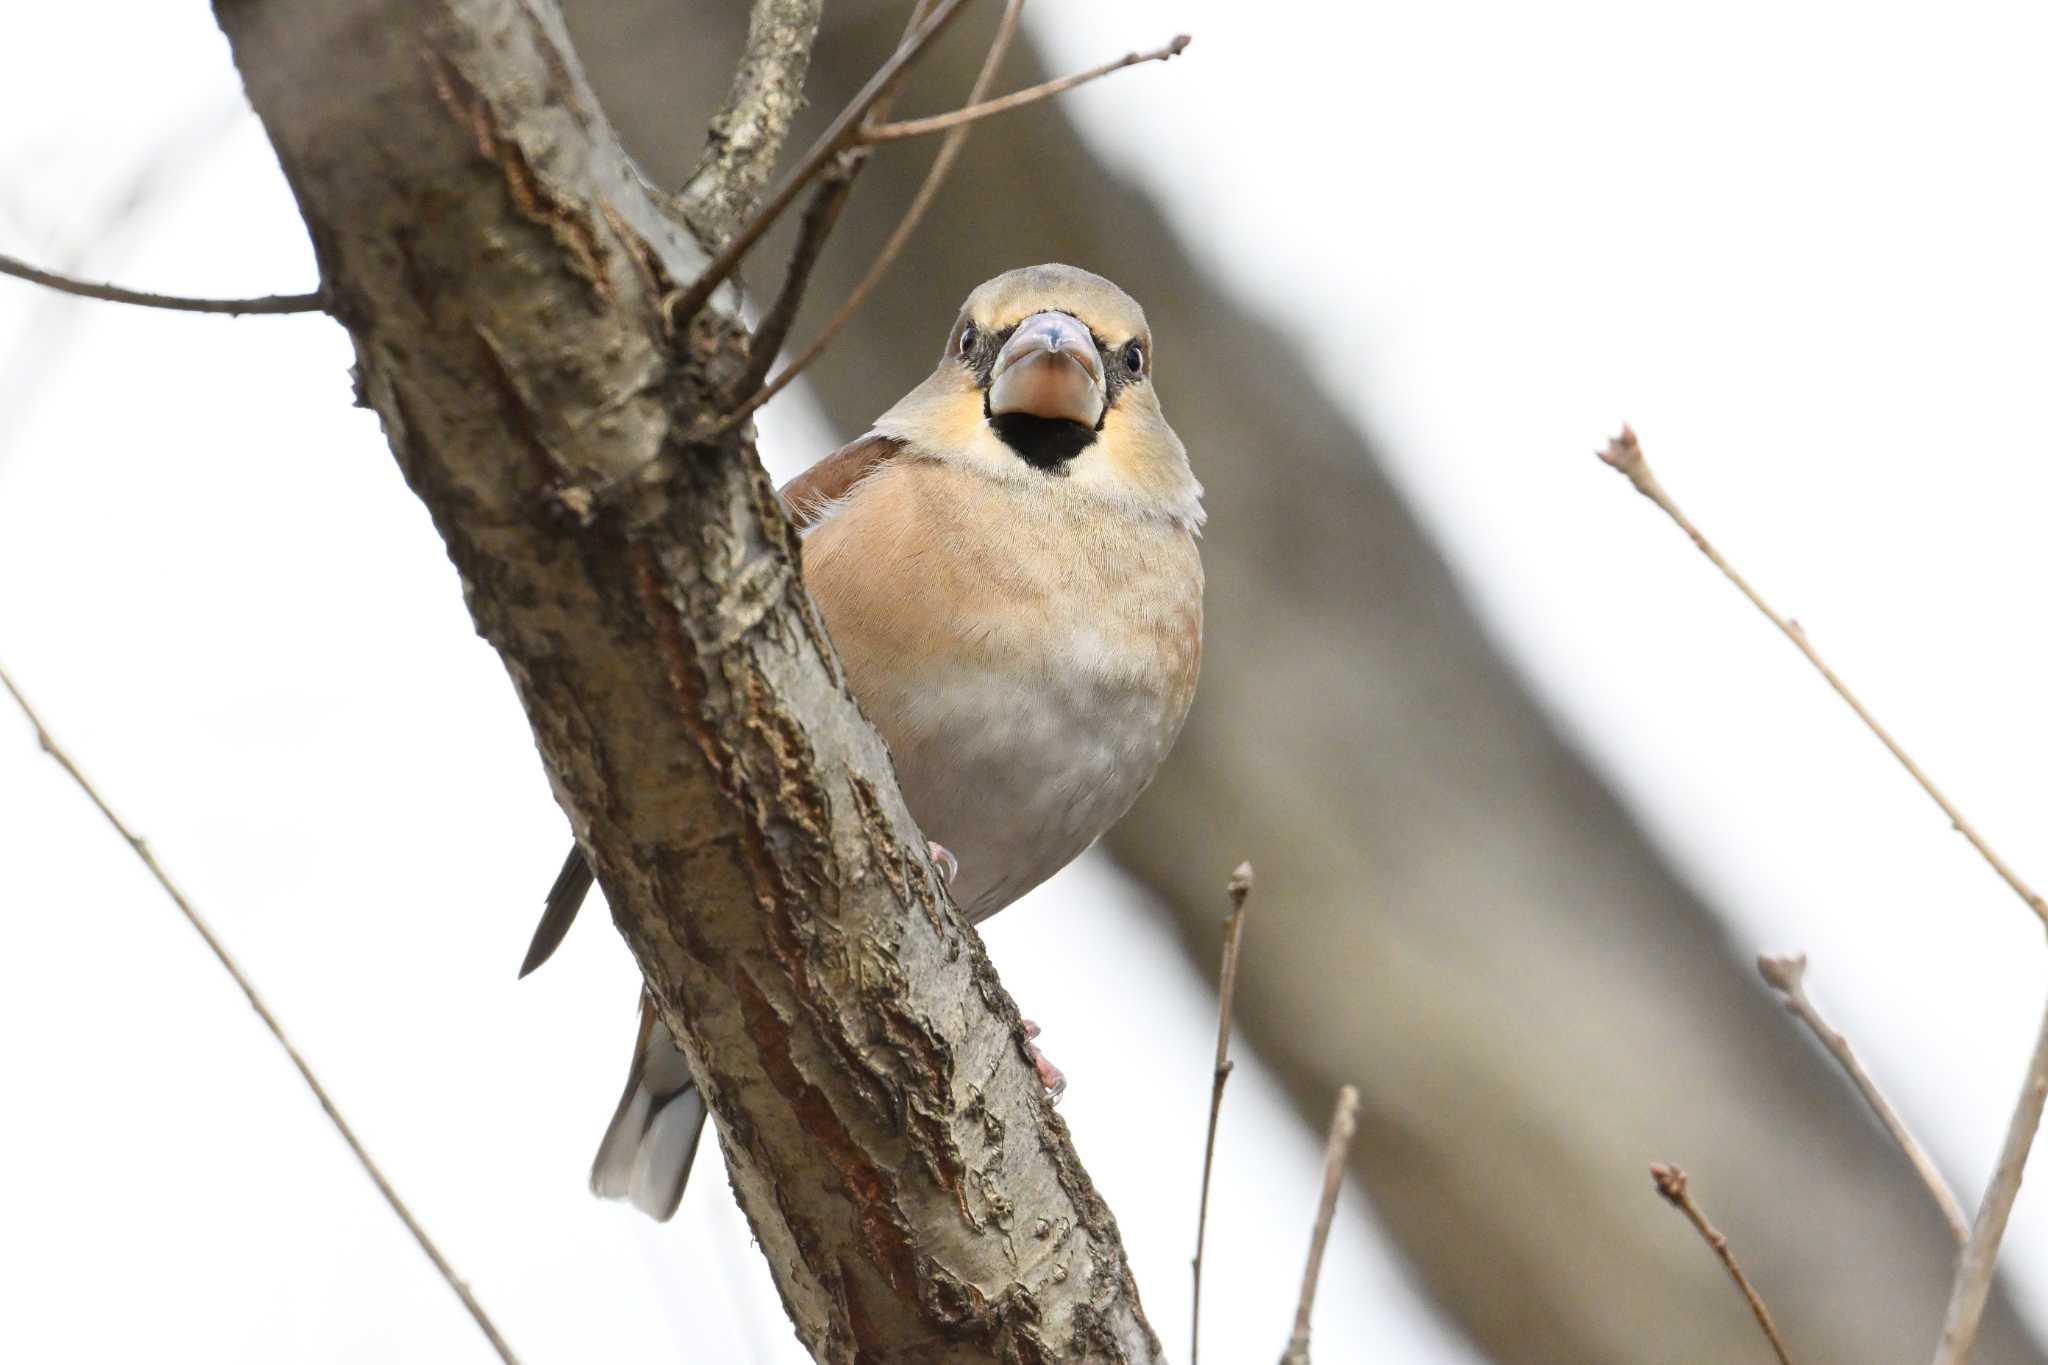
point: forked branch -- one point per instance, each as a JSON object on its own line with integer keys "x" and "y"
{"x": 1975, "y": 1267}
{"x": 1787, "y": 976}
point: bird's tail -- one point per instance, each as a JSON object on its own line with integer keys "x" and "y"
{"x": 565, "y": 898}
{"x": 646, "y": 1153}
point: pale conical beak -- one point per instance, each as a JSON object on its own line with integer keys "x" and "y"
{"x": 1048, "y": 368}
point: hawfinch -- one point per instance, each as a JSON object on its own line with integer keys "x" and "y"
{"x": 1007, "y": 565}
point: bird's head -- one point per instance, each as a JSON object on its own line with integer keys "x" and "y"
{"x": 1048, "y": 374}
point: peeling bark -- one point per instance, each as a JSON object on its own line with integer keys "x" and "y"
{"x": 499, "y": 265}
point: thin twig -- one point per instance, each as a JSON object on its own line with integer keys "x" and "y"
{"x": 681, "y": 306}
{"x": 220, "y": 952}
{"x": 1975, "y": 1267}
{"x": 1677, "y": 1191}
{"x": 114, "y": 293}
{"x": 1017, "y": 99}
{"x": 1625, "y": 453}
{"x": 942, "y": 165}
{"x": 746, "y": 136}
{"x": 1233, "y": 936}
{"x": 828, "y": 197}
{"x": 1343, "y": 1124}
{"x": 1787, "y": 976}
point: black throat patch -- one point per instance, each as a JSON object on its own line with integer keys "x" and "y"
{"x": 1046, "y": 443}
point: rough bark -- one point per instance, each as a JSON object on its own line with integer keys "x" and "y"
{"x": 1477, "y": 934}
{"x": 499, "y": 264}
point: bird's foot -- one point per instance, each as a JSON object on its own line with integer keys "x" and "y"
{"x": 1051, "y": 1077}
{"x": 943, "y": 860}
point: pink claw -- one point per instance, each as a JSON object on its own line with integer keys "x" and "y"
{"x": 943, "y": 859}
{"x": 1051, "y": 1077}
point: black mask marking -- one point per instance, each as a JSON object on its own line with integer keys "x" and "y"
{"x": 1045, "y": 443}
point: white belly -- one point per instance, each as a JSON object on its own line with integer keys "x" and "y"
{"x": 1018, "y": 780}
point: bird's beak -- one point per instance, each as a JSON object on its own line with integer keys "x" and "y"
{"x": 1048, "y": 368}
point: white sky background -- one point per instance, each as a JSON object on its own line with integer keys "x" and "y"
{"x": 1797, "y": 245}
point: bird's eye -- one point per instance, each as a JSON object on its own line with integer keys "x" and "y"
{"x": 1134, "y": 360}
{"x": 968, "y": 336}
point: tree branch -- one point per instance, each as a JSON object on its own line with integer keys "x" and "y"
{"x": 746, "y": 136}
{"x": 502, "y": 268}
{"x": 177, "y": 303}
{"x": 1343, "y": 1124}
{"x": 227, "y": 961}
{"x": 1979, "y": 1261}
{"x": 1787, "y": 976}
{"x": 1677, "y": 1192}
{"x": 1017, "y": 99}
{"x": 1226, "y": 992}
{"x": 1625, "y": 454}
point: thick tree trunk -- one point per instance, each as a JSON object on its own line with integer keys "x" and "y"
{"x": 499, "y": 265}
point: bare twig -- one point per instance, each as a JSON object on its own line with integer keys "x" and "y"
{"x": 746, "y": 136}
{"x": 1625, "y": 453}
{"x": 220, "y": 952}
{"x": 828, "y": 197}
{"x": 1787, "y": 976}
{"x": 942, "y": 165}
{"x": 1017, "y": 99}
{"x": 1233, "y": 936}
{"x": 844, "y": 131}
{"x": 1672, "y": 1184}
{"x": 1974, "y": 1268}
{"x": 114, "y": 293}
{"x": 1343, "y": 1124}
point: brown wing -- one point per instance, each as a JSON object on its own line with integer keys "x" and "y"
{"x": 810, "y": 493}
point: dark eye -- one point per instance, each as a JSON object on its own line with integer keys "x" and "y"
{"x": 1134, "y": 360}
{"x": 968, "y": 336}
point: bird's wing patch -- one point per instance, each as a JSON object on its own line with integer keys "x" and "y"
{"x": 814, "y": 495}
